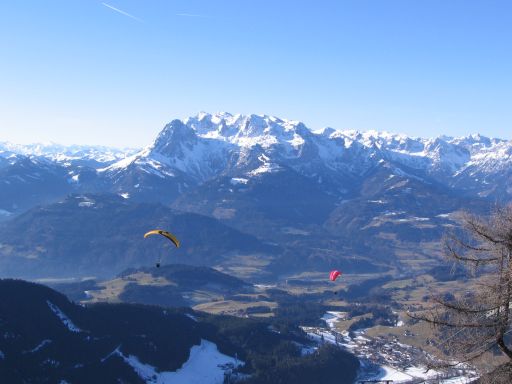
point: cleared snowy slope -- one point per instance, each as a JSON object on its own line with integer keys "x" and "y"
{"x": 205, "y": 365}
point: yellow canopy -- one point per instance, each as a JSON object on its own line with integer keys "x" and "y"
{"x": 169, "y": 235}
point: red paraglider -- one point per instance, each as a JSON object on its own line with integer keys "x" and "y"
{"x": 334, "y": 275}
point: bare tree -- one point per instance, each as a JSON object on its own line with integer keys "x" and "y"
{"x": 479, "y": 320}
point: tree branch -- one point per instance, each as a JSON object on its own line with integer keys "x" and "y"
{"x": 461, "y": 308}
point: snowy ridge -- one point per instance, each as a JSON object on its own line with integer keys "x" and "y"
{"x": 63, "y": 317}
{"x": 209, "y": 145}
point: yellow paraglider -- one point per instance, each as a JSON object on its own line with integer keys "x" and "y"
{"x": 166, "y": 234}
{"x": 169, "y": 235}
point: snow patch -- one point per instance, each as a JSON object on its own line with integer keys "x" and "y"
{"x": 295, "y": 231}
{"x": 85, "y": 202}
{"x": 265, "y": 168}
{"x": 41, "y": 345}
{"x": 332, "y": 317}
{"x": 413, "y": 218}
{"x": 63, "y": 317}
{"x": 265, "y": 286}
{"x": 238, "y": 180}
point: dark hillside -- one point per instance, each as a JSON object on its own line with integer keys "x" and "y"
{"x": 45, "y": 338}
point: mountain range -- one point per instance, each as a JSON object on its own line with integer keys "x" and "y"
{"x": 310, "y": 197}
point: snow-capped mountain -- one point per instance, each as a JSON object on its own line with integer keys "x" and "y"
{"x": 206, "y": 146}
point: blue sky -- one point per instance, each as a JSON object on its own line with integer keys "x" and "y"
{"x": 114, "y": 72}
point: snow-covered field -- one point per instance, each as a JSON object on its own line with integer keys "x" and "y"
{"x": 384, "y": 358}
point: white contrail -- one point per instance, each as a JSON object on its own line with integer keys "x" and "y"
{"x": 121, "y": 11}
